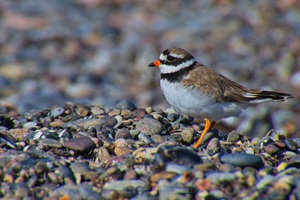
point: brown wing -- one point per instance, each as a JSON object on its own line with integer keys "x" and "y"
{"x": 226, "y": 90}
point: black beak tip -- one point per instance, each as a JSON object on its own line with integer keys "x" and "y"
{"x": 151, "y": 65}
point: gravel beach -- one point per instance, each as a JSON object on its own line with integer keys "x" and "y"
{"x": 83, "y": 117}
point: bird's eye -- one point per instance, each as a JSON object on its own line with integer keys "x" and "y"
{"x": 171, "y": 58}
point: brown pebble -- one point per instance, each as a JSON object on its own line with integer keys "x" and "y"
{"x": 81, "y": 144}
{"x": 103, "y": 154}
{"x": 114, "y": 112}
{"x": 18, "y": 134}
{"x": 57, "y": 123}
{"x": 280, "y": 144}
{"x": 130, "y": 175}
{"x": 271, "y": 149}
{"x": 121, "y": 151}
{"x": 126, "y": 114}
{"x": 162, "y": 175}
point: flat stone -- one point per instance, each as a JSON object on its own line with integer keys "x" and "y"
{"x": 80, "y": 144}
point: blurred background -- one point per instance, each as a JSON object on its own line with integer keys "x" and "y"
{"x": 97, "y": 52}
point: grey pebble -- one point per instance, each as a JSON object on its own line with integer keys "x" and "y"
{"x": 123, "y": 133}
{"x": 125, "y": 104}
{"x": 50, "y": 143}
{"x": 30, "y": 125}
{"x": 242, "y": 160}
{"x": 179, "y": 169}
{"x": 271, "y": 149}
{"x": 157, "y": 139}
{"x": 149, "y": 126}
{"x": 82, "y": 144}
{"x": 221, "y": 177}
{"x": 265, "y": 181}
{"x": 97, "y": 110}
{"x": 146, "y": 139}
{"x": 213, "y": 146}
{"x": 103, "y": 154}
{"x": 233, "y": 136}
{"x": 291, "y": 144}
{"x": 58, "y": 111}
{"x": 80, "y": 168}
{"x": 187, "y": 135}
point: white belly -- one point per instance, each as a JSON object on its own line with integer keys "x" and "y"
{"x": 190, "y": 101}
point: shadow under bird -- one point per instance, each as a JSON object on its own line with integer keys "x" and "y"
{"x": 196, "y": 90}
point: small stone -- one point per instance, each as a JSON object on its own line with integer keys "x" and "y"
{"x": 121, "y": 143}
{"x": 162, "y": 175}
{"x": 172, "y": 117}
{"x": 57, "y": 123}
{"x": 81, "y": 144}
{"x": 30, "y": 125}
{"x": 97, "y": 110}
{"x": 233, "y": 137}
{"x": 187, "y": 135}
{"x": 58, "y": 111}
{"x": 180, "y": 155}
{"x": 123, "y": 133}
{"x": 213, "y": 146}
{"x": 221, "y": 177}
{"x": 146, "y": 139}
{"x": 149, "y": 126}
{"x": 134, "y": 133}
{"x": 114, "y": 112}
{"x": 51, "y": 143}
{"x": 157, "y": 139}
{"x": 103, "y": 154}
{"x": 149, "y": 110}
{"x": 130, "y": 175}
{"x": 271, "y": 149}
{"x": 125, "y": 104}
{"x": 121, "y": 151}
{"x": 242, "y": 160}
{"x": 126, "y": 113}
{"x": 291, "y": 144}
{"x": 139, "y": 113}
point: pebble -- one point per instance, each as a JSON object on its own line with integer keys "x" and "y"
{"x": 121, "y": 151}
{"x": 146, "y": 139}
{"x": 271, "y": 149}
{"x": 97, "y": 110}
{"x": 123, "y": 133}
{"x": 233, "y": 136}
{"x": 157, "y": 139}
{"x": 50, "y": 143}
{"x": 187, "y": 135}
{"x": 242, "y": 160}
{"x": 180, "y": 155}
{"x": 103, "y": 154}
{"x": 149, "y": 126}
{"x": 213, "y": 146}
{"x": 58, "y": 111}
{"x": 81, "y": 144}
{"x": 178, "y": 169}
{"x": 221, "y": 177}
{"x": 139, "y": 113}
{"x": 125, "y": 104}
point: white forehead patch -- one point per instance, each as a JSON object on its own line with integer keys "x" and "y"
{"x": 162, "y": 57}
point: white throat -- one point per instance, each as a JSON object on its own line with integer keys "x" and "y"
{"x": 168, "y": 69}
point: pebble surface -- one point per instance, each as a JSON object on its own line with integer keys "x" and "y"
{"x": 146, "y": 156}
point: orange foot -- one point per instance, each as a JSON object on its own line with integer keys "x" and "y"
{"x": 208, "y": 126}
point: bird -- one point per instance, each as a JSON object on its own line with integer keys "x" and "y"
{"x": 196, "y": 90}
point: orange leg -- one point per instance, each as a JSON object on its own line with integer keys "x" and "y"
{"x": 208, "y": 126}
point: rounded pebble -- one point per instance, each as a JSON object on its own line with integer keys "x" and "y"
{"x": 242, "y": 160}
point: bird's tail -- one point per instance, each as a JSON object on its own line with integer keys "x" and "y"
{"x": 259, "y": 96}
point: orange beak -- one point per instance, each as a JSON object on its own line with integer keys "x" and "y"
{"x": 155, "y": 64}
